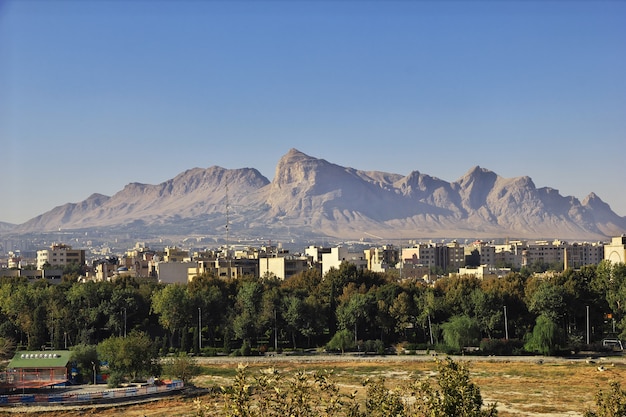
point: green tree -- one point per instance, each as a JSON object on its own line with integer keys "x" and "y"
{"x": 246, "y": 323}
{"x": 546, "y": 337}
{"x": 610, "y": 280}
{"x": 7, "y": 347}
{"x": 353, "y": 311}
{"x": 461, "y": 331}
{"x": 548, "y": 300}
{"x": 86, "y": 359}
{"x": 342, "y": 340}
{"x": 131, "y": 357}
{"x": 172, "y": 305}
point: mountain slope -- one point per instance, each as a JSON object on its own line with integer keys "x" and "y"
{"x": 313, "y": 197}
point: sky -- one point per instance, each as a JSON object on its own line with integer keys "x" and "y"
{"x": 98, "y": 94}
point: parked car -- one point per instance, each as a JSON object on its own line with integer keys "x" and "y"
{"x": 612, "y": 343}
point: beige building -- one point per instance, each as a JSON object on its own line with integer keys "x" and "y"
{"x": 340, "y": 254}
{"x": 381, "y": 259}
{"x": 60, "y": 255}
{"x": 580, "y": 254}
{"x": 176, "y": 255}
{"x": 283, "y": 267}
{"x": 484, "y": 272}
{"x": 616, "y": 250}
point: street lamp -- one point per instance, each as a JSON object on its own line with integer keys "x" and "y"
{"x": 94, "y": 373}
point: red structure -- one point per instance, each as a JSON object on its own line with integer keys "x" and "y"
{"x": 30, "y": 369}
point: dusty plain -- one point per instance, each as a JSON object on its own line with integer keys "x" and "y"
{"x": 521, "y": 386}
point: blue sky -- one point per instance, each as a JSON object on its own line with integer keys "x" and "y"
{"x": 97, "y": 94}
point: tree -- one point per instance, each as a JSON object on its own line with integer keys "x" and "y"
{"x": 461, "y": 331}
{"x": 342, "y": 340}
{"x": 248, "y": 309}
{"x": 548, "y": 300}
{"x": 7, "y": 348}
{"x": 171, "y": 303}
{"x": 546, "y": 337}
{"x": 351, "y": 312}
{"x": 131, "y": 357}
{"x": 86, "y": 359}
{"x": 611, "y": 280}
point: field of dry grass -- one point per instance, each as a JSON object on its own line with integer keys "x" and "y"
{"x": 520, "y": 387}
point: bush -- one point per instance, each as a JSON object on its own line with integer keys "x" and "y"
{"x": 209, "y": 351}
{"x": 246, "y": 349}
{"x": 115, "y": 379}
{"x": 272, "y": 394}
{"x": 375, "y": 346}
{"x": 181, "y": 367}
{"x": 500, "y": 346}
{"x": 342, "y": 341}
{"x": 609, "y": 404}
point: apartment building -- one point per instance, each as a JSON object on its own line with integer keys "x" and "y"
{"x": 484, "y": 272}
{"x": 340, "y": 254}
{"x": 60, "y": 255}
{"x": 283, "y": 267}
{"x": 381, "y": 259}
{"x": 581, "y": 254}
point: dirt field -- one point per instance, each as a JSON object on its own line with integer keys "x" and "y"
{"x": 533, "y": 387}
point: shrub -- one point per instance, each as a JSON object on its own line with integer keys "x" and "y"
{"x": 272, "y": 394}
{"x": 245, "y": 349}
{"x": 609, "y": 403}
{"x": 342, "y": 341}
{"x": 500, "y": 346}
{"x": 182, "y": 367}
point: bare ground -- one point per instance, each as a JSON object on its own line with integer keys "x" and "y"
{"x": 521, "y": 386}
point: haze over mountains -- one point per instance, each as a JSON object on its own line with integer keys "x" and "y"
{"x": 312, "y": 197}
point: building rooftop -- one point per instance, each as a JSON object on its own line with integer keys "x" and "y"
{"x": 40, "y": 359}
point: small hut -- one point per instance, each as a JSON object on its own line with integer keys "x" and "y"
{"x": 36, "y": 369}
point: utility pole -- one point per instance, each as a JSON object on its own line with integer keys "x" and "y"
{"x": 506, "y": 325}
{"x": 275, "y": 332}
{"x": 587, "y": 324}
{"x": 430, "y": 329}
{"x": 200, "y": 328}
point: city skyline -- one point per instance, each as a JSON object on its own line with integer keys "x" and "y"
{"x": 96, "y": 95}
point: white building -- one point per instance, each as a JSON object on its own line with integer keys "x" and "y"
{"x": 616, "y": 250}
{"x": 60, "y": 255}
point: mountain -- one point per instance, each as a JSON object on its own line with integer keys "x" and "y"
{"x": 5, "y": 227}
{"x": 311, "y": 197}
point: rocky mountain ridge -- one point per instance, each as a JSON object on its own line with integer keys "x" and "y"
{"x": 311, "y": 197}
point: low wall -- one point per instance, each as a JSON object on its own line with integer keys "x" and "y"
{"x": 77, "y": 397}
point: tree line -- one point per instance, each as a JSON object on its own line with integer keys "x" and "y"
{"x": 348, "y": 308}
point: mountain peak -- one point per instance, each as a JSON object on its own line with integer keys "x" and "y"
{"x": 315, "y": 197}
{"x": 593, "y": 201}
{"x": 478, "y": 171}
